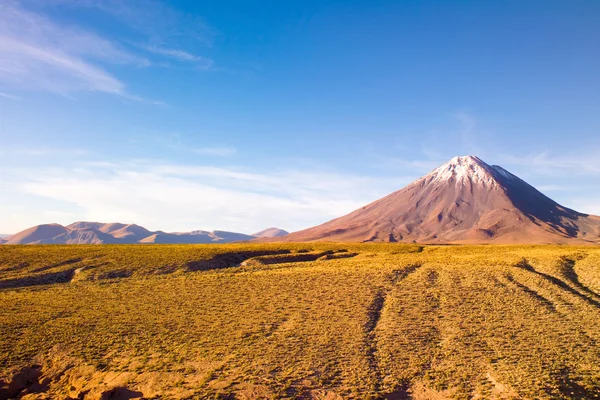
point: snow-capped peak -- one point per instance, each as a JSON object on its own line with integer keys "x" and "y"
{"x": 468, "y": 169}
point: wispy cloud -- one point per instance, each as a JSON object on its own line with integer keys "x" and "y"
{"x": 181, "y": 55}
{"x": 585, "y": 204}
{"x": 547, "y": 163}
{"x": 9, "y": 96}
{"x": 178, "y": 142}
{"x": 38, "y": 151}
{"x": 40, "y": 53}
{"x": 551, "y": 188}
{"x": 215, "y": 151}
{"x": 34, "y": 67}
{"x": 183, "y": 197}
{"x": 155, "y": 19}
{"x": 36, "y": 53}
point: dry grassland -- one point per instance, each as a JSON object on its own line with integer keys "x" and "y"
{"x": 312, "y": 321}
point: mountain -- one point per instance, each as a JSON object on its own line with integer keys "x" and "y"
{"x": 37, "y": 234}
{"x": 270, "y": 233}
{"x": 226, "y": 236}
{"x": 197, "y": 237}
{"x": 81, "y": 236}
{"x": 86, "y": 225}
{"x": 463, "y": 201}
{"x": 130, "y": 233}
{"x": 111, "y": 227}
{"x": 84, "y": 232}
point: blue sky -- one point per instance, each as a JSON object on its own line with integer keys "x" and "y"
{"x": 239, "y": 115}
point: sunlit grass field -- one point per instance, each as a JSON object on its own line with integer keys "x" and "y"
{"x": 312, "y": 321}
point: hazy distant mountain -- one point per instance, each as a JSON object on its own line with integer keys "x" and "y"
{"x": 84, "y": 232}
{"x": 463, "y": 201}
{"x": 37, "y": 234}
{"x": 197, "y": 237}
{"x": 82, "y": 236}
{"x": 182, "y": 238}
{"x": 130, "y": 233}
{"x": 111, "y": 227}
{"x": 270, "y": 232}
{"x": 226, "y": 236}
{"x": 86, "y": 224}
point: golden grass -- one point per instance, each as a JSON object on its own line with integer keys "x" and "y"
{"x": 300, "y": 320}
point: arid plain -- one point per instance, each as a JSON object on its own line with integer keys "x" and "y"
{"x": 313, "y": 321}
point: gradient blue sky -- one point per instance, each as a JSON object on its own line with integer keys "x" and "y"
{"x": 239, "y": 115}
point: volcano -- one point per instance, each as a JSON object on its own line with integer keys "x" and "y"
{"x": 462, "y": 201}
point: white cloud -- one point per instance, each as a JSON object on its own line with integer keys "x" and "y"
{"x": 551, "y": 188}
{"x": 40, "y": 53}
{"x": 153, "y": 18}
{"x": 33, "y": 67}
{"x": 546, "y": 163}
{"x": 36, "y": 53}
{"x": 32, "y": 151}
{"x": 585, "y": 205}
{"x": 181, "y": 55}
{"x": 9, "y": 96}
{"x": 178, "y": 142}
{"x": 178, "y": 198}
{"x": 175, "y": 197}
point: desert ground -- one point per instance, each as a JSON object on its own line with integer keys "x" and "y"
{"x": 311, "y": 321}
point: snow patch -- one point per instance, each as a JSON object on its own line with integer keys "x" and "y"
{"x": 468, "y": 169}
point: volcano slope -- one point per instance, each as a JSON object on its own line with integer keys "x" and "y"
{"x": 462, "y": 201}
{"x": 312, "y": 321}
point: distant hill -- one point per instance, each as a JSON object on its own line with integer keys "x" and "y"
{"x": 85, "y": 232}
{"x": 270, "y": 232}
{"x": 197, "y": 237}
{"x": 37, "y": 234}
{"x": 462, "y": 201}
{"x": 85, "y": 225}
{"x": 130, "y": 233}
{"x": 81, "y": 236}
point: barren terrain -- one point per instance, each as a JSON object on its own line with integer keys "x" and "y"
{"x": 314, "y": 321}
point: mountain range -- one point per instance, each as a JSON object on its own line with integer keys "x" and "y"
{"x": 113, "y": 233}
{"x": 463, "y": 201}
